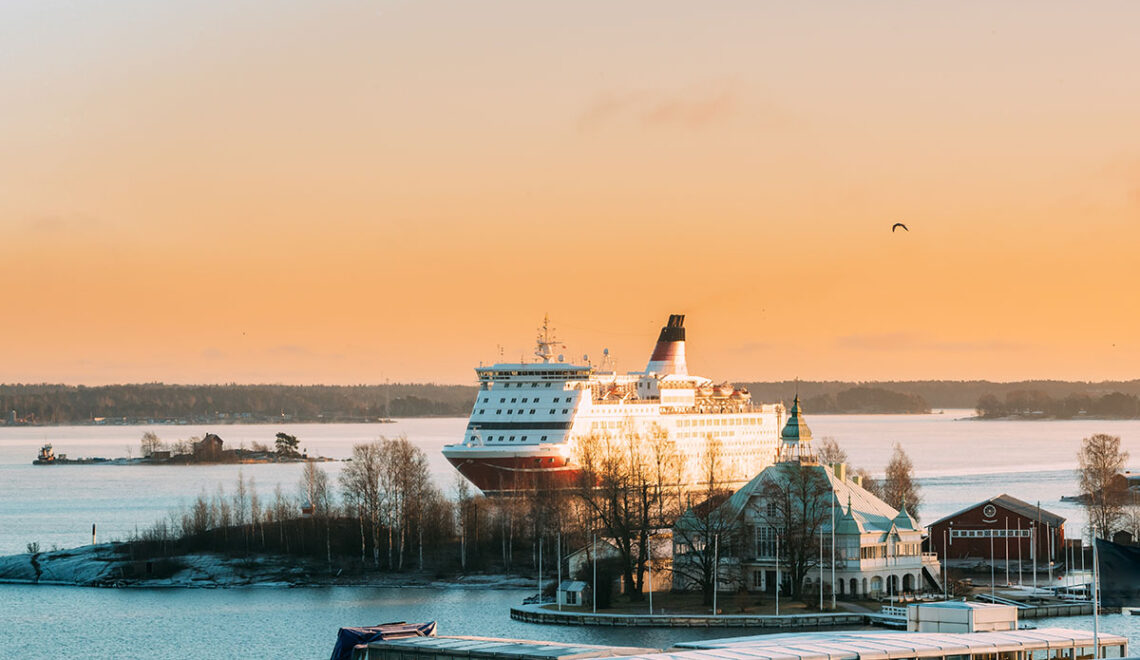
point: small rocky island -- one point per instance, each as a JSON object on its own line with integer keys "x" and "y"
{"x": 208, "y": 450}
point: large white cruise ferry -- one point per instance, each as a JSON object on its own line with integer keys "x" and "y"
{"x": 527, "y": 417}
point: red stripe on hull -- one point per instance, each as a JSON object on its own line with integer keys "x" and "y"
{"x": 514, "y": 473}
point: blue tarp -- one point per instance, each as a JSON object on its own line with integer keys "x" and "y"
{"x": 349, "y": 638}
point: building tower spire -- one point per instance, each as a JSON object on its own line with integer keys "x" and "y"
{"x": 795, "y": 439}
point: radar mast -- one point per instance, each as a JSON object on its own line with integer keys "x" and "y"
{"x": 546, "y": 342}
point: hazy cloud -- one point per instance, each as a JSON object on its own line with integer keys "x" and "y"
{"x": 291, "y": 350}
{"x": 690, "y": 108}
{"x": 297, "y": 352}
{"x": 753, "y": 347}
{"x": 57, "y": 224}
{"x": 905, "y": 341}
{"x": 1126, "y": 170}
{"x": 213, "y": 354}
{"x": 878, "y": 342}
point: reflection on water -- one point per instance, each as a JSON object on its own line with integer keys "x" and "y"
{"x": 302, "y": 623}
{"x": 268, "y": 623}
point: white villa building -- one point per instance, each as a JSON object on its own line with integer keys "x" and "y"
{"x": 877, "y": 550}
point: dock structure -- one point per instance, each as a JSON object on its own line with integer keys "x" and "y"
{"x": 888, "y": 616}
{"x": 860, "y": 645}
{"x": 532, "y": 614}
{"x": 487, "y": 648}
{"x": 1045, "y": 643}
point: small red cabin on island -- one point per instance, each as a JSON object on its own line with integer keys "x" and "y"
{"x": 1015, "y": 527}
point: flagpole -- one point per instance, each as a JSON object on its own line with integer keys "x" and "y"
{"x": 649, "y": 553}
{"x": 945, "y": 568}
{"x": 716, "y": 568}
{"x": 1020, "y": 582}
{"x": 833, "y": 554}
{"x": 1033, "y": 551}
{"x": 992, "y": 566}
{"x": 1049, "y": 532}
{"x": 1096, "y": 600}
{"x": 558, "y": 593}
{"x": 1007, "y": 550}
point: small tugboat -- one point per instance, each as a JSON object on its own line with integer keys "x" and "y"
{"x": 47, "y": 456}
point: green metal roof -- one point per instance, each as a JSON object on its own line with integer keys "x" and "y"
{"x": 796, "y": 430}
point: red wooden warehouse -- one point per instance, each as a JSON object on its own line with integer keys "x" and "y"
{"x": 1014, "y": 526}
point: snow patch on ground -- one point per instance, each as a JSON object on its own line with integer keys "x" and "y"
{"x": 110, "y": 565}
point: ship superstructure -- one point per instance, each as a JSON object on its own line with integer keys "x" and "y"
{"x": 528, "y": 417}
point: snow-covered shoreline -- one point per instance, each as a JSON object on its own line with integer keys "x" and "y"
{"x": 110, "y": 565}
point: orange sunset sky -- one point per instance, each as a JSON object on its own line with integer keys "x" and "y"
{"x": 343, "y": 192}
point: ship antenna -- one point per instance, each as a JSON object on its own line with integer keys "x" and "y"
{"x": 546, "y": 342}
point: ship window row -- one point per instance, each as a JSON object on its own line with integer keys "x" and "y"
{"x": 524, "y": 384}
{"x": 730, "y": 421}
{"x": 557, "y": 399}
{"x": 706, "y": 434}
{"x": 511, "y": 411}
{"x": 509, "y": 439}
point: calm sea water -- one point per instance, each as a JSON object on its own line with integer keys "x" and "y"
{"x": 959, "y": 462}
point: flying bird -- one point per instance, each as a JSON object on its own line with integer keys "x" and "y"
{"x": 897, "y": 225}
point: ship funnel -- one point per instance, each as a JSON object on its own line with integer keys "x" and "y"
{"x": 669, "y": 355}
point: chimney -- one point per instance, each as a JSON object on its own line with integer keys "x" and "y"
{"x": 840, "y": 471}
{"x": 669, "y": 354}
{"x": 858, "y": 480}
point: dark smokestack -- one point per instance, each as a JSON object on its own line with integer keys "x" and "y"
{"x": 669, "y": 355}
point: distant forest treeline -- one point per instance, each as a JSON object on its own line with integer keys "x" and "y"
{"x": 866, "y": 400}
{"x": 69, "y": 404}
{"x": 63, "y": 404}
{"x": 940, "y": 393}
{"x": 1035, "y": 404}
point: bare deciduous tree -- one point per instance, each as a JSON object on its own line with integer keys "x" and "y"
{"x": 360, "y": 481}
{"x": 829, "y": 452}
{"x": 704, "y": 533}
{"x": 1104, "y": 489}
{"x": 315, "y": 489}
{"x": 149, "y": 444}
{"x": 618, "y": 487}
{"x": 899, "y": 486}
{"x": 797, "y": 501}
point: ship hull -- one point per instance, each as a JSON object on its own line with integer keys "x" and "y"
{"x": 503, "y": 474}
